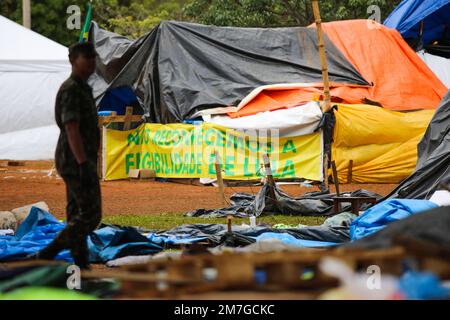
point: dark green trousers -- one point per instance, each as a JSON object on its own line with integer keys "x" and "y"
{"x": 84, "y": 214}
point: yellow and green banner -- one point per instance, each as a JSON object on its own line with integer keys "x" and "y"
{"x": 188, "y": 151}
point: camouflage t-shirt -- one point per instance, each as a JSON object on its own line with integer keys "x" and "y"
{"x": 75, "y": 102}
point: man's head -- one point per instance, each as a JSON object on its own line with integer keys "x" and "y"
{"x": 82, "y": 57}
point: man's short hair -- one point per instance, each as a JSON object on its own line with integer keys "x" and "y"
{"x": 85, "y": 49}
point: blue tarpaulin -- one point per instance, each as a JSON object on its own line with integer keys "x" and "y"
{"x": 407, "y": 16}
{"x": 107, "y": 243}
{"x": 380, "y": 215}
{"x": 293, "y": 241}
{"x": 117, "y": 100}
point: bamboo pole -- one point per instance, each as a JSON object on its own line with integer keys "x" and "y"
{"x": 323, "y": 58}
{"x": 326, "y": 81}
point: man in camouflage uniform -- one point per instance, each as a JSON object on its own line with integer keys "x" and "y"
{"x": 76, "y": 157}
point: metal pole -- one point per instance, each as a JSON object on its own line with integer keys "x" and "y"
{"x": 26, "y": 14}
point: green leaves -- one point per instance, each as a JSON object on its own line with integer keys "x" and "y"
{"x": 134, "y": 18}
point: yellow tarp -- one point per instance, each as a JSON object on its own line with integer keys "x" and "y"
{"x": 381, "y": 143}
{"x": 187, "y": 151}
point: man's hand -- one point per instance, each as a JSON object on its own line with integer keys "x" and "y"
{"x": 75, "y": 141}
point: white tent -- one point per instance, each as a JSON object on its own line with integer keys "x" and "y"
{"x": 32, "y": 67}
{"x": 439, "y": 65}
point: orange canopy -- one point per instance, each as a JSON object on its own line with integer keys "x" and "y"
{"x": 401, "y": 80}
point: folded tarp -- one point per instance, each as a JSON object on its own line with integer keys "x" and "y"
{"x": 439, "y": 65}
{"x": 313, "y": 204}
{"x": 433, "y": 164}
{"x": 382, "y": 143}
{"x": 216, "y": 233}
{"x": 409, "y": 14}
{"x": 180, "y": 68}
{"x": 401, "y": 80}
{"x": 40, "y": 228}
{"x": 293, "y": 122}
{"x": 384, "y": 213}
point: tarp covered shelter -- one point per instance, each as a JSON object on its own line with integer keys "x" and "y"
{"x": 409, "y": 14}
{"x": 433, "y": 164}
{"x": 400, "y": 79}
{"x": 180, "y": 68}
{"x": 381, "y": 143}
{"x": 32, "y": 68}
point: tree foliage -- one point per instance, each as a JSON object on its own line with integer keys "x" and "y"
{"x": 136, "y": 17}
{"x": 280, "y": 13}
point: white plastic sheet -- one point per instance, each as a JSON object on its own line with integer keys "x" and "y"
{"x": 290, "y": 122}
{"x": 30, "y": 144}
{"x": 439, "y": 65}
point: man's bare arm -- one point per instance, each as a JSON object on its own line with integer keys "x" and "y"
{"x": 75, "y": 141}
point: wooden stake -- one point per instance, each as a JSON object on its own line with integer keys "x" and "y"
{"x": 269, "y": 176}
{"x": 335, "y": 178}
{"x": 128, "y": 117}
{"x": 229, "y": 223}
{"x": 325, "y": 186}
{"x": 220, "y": 179}
{"x": 323, "y": 58}
{"x": 350, "y": 172}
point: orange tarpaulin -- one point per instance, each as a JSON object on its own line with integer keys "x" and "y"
{"x": 401, "y": 80}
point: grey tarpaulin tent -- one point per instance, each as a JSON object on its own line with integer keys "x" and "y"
{"x": 180, "y": 68}
{"x": 433, "y": 164}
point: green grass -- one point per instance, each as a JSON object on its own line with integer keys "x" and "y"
{"x": 170, "y": 220}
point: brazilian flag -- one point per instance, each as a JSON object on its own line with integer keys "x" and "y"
{"x": 84, "y": 35}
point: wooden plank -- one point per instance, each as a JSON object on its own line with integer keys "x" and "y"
{"x": 119, "y": 119}
{"x": 16, "y": 163}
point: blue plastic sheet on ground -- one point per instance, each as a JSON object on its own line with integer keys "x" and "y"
{"x": 292, "y": 241}
{"x": 36, "y": 232}
{"x": 174, "y": 239}
{"x": 107, "y": 243}
{"x": 384, "y": 213}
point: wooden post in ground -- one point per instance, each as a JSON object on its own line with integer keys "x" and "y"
{"x": 326, "y": 82}
{"x": 100, "y": 149}
{"x": 128, "y": 117}
{"x": 229, "y": 223}
{"x": 220, "y": 179}
{"x": 269, "y": 176}
{"x": 350, "y": 172}
{"x": 335, "y": 178}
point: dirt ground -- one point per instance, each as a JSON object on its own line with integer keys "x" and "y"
{"x": 31, "y": 183}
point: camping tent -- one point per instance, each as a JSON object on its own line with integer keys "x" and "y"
{"x": 433, "y": 164}
{"x": 32, "y": 68}
{"x": 409, "y": 14}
